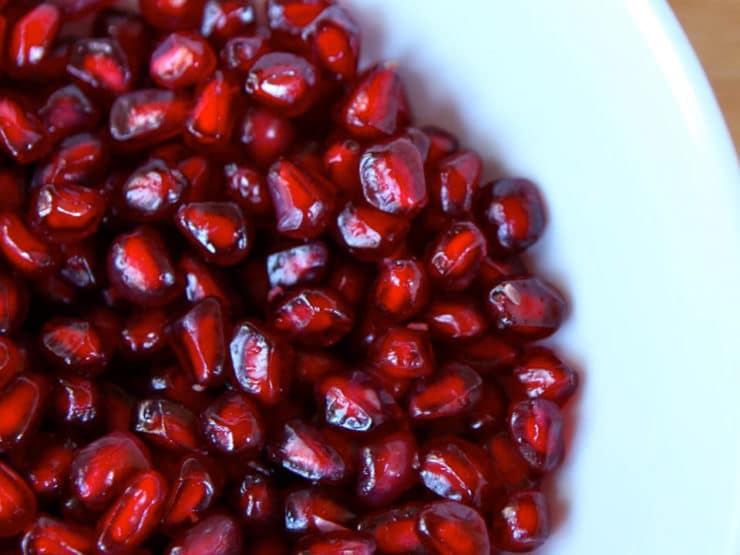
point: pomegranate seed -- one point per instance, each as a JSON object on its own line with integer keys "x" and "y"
{"x": 12, "y": 360}
{"x": 171, "y": 383}
{"x": 265, "y": 135}
{"x": 101, "y": 64}
{"x": 147, "y": 116}
{"x": 22, "y": 404}
{"x": 336, "y": 40}
{"x": 77, "y": 402}
{"x": 18, "y": 508}
{"x": 455, "y": 318}
{"x": 140, "y": 270}
{"x": 172, "y": 15}
{"x": 289, "y": 19}
{"x": 217, "y": 534}
{"x": 167, "y": 424}
{"x": 66, "y": 212}
{"x": 225, "y": 19}
{"x": 257, "y": 501}
{"x": 232, "y": 424}
{"x": 392, "y": 177}
{"x": 262, "y": 363}
{"x": 101, "y": 470}
{"x": 22, "y": 249}
{"x": 369, "y": 234}
{"x": 22, "y": 135}
{"x": 401, "y": 289}
{"x": 526, "y": 307}
{"x": 455, "y": 256}
{"x": 387, "y": 469}
{"x": 349, "y": 280}
{"x": 487, "y": 354}
{"x": 537, "y": 429}
{"x": 129, "y": 31}
{"x": 394, "y": 530}
{"x": 490, "y": 413}
{"x": 67, "y": 111}
{"x": 194, "y": 492}
{"x": 217, "y": 230}
{"x": 239, "y": 53}
{"x": 79, "y": 159}
{"x": 48, "y": 474}
{"x": 540, "y": 374}
{"x": 375, "y": 107}
{"x": 247, "y": 187}
{"x": 456, "y": 389}
{"x": 342, "y": 164}
{"x": 153, "y": 191}
{"x": 199, "y": 171}
{"x": 143, "y": 335}
{"x": 313, "y": 317}
{"x": 311, "y": 511}
{"x": 283, "y": 81}
{"x": 302, "y": 264}
{"x": 512, "y": 214}
{"x": 75, "y": 345}
{"x": 354, "y": 402}
{"x": 336, "y": 542}
{"x": 303, "y": 204}
{"x": 202, "y": 281}
{"x": 49, "y": 536}
{"x": 134, "y": 516}
{"x": 211, "y": 121}
{"x": 510, "y": 469}
{"x": 307, "y": 452}
{"x": 181, "y": 60}
{"x": 441, "y": 144}
{"x": 31, "y": 39}
{"x": 450, "y": 528}
{"x": 522, "y": 523}
{"x": 13, "y": 303}
{"x": 404, "y": 353}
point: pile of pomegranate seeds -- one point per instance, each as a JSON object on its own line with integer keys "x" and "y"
{"x": 246, "y": 306}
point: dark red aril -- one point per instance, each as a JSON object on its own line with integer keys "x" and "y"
{"x": 284, "y": 82}
{"x": 31, "y": 39}
{"x": 312, "y": 511}
{"x": 266, "y": 135}
{"x": 450, "y": 528}
{"x": 102, "y": 65}
{"x": 387, "y": 469}
{"x": 313, "y": 316}
{"x": 18, "y": 508}
{"x": 522, "y": 522}
{"x": 217, "y": 230}
{"x": 369, "y": 234}
{"x": 217, "y": 534}
{"x": 193, "y": 491}
{"x": 455, "y": 389}
{"x": 537, "y": 428}
{"x": 541, "y": 374}
{"x": 232, "y": 424}
{"x": 394, "y": 530}
{"x": 181, "y": 60}
{"x": 167, "y": 425}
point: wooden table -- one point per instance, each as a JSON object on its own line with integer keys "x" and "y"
{"x": 713, "y": 26}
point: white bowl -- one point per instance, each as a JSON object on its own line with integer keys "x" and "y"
{"x": 604, "y": 104}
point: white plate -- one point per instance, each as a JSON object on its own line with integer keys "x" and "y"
{"x": 604, "y": 104}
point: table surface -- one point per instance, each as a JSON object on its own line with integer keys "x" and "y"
{"x": 713, "y": 27}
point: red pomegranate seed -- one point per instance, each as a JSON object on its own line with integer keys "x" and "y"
{"x": 181, "y": 60}
{"x": 22, "y": 135}
{"x": 342, "y": 164}
{"x": 394, "y": 530}
{"x": 101, "y": 470}
{"x": 134, "y": 516}
{"x": 18, "y": 508}
{"x": 77, "y": 402}
{"x": 336, "y": 542}
{"x": 194, "y": 491}
{"x": 202, "y": 281}
{"x": 490, "y": 413}
{"x": 66, "y": 212}
{"x": 455, "y": 318}
{"x": 540, "y": 374}
{"x": 143, "y": 334}
{"x": 101, "y": 64}
{"x": 147, "y": 116}
{"x": 526, "y": 307}
{"x": 224, "y": 19}
{"x": 455, "y": 256}
{"x": 302, "y": 264}
{"x": 312, "y": 511}
{"x": 22, "y": 404}
{"x": 172, "y": 15}
{"x": 375, "y": 107}
{"x": 167, "y": 425}
{"x": 140, "y": 270}
{"x": 79, "y": 159}
{"x": 404, "y": 353}
{"x": 80, "y": 266}
{"x": 75, "y": 345}
{"x": 302, "y": 203}
{"x": 22, "y": 249}
{"x": 153, "y": 191}
{"x": 265, "y": 135}
{"x": 336, "y": 40}
{"x": 284, "y": 82}
{"x": 216, "y": 534}
{"x": 212, "y": 120}
{"x": 510, "y": 469}
{"x": 313, "y": 317}
{"x": 288, "y": 20}
{"x": 67, "y": 111}
{"x": 48, "y": 474}
{"x": 239, "y": 53}
{"x": 457, "y": 470}
{"x": 307, "y": 452}
{"x": 171, "y": 383}
{"x": 257, "y": 502}
{"x": 217, "y": 230}
{"x": 31, "y": 39}
{"x": 13, "y": 303}
{"x": 401, "y": 289}
{"x": 247, "y": 187}
{"x": 387, "y": 468}
{"x": 50, "y": 536}
{"x": 455, "y": 183}
{"x": 455, "y": 389}
{"x": 369, "y": 234}
{"x": 130, "y": 31}
{"x": 12, "y": 360}
{"x": 522, "y": 523}
{"x": 232, "y": 424}
{"x": 442, "y": 144}
{"x": 537, "y": 429}
{"x": 354, "y": 402}
{"x": 262, "y": 363}
{"x": 349, "y": 280}
{"x": 392, "y": 177}
{"x": 487, "y": 354}
{"x": 450, "y": 528}
{"x": 512, "y": 214}
{"x": 199, "y": 171}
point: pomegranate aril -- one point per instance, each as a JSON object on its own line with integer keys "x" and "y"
{"x": 75, "y": 345}
{"x": 22, "y": 135}
{"x": 455, "y": 319}
{"x": 215, "y": 535}
{"x": 350, "y": 280}
{"x": 77, "y": 402}
{"x": 202, "y": 281}
{"x": 224, "y": 19}
{"x": 101, "y": 470}
{"x": 181, "y": 60}
{"x": 522, "y": 523}
{"x": 66, "y": 212}
{"x": 153, "y": 191}
{"x": 541, "y": 374}
{"x": 212, "y": 119}
{"x": 312, "y": 511}
{"x": 240, "y": 52}
{"x": 266, "y": 135}
{"x": 68, "y": 110}
{"x": 342, "y": 164}
{"x": 450, "y": 528}
{"x": 313, "y": 316}
{"x": 288, "y": 20}
{"x": 487, "y": 354}
{"x": 369, "y": 234}
{"x": 18, "y": 507}
{"x": 510, "y": 469}
{"x": 48, "y": 473}
{"x": 401, "y": 288}
{"x": 404, "y": 353}
{"x": 490, "y": 413}
{"x": 22, "y": 404}
{"x": 172, "y": 15}
{"x": 140, "y": 270}
{"x": 441, "y": 144}
{"x": 526, "y": 307}
{"x": 102, "y": 65}
{"x": 194, "y": 491}
{"x": 50, "y": 536}
{"x": 13, "y": 303}
{"x": 22, "y": 249}
{"x": 12, "y": 360}
{"x": 387, "y": 468}
{"x": 31, "y": 39}
{"x": 493, "y": 270}
{"x": 79, "y": 159}
{"x": 284, "y": 82}
{"x": 167, "y": 425}
{"x": 307, "y": 452}
{"x": 455, "y": 389}
{"x": 257, "y": 502}
{"x": 247, "y": 187}
{"x": 147, "y": 116}
{"x": 335, "y": 37}
{"x": 218, "y": 230}
{"x": 143, "y": 334}
{"x": 134, "y": 516}
{"x": 261, "y": 361}
{"x": 302, "y": 264}
{"x": 512, "y": 213}
{"x": 232, "y": 424}
{"x": 455, "y": 256}
{"x": 131, "y": 33}
{"x": 537, "y": 428}
{"x": 336, "y": 542}
{"x": 394, "y": 530}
